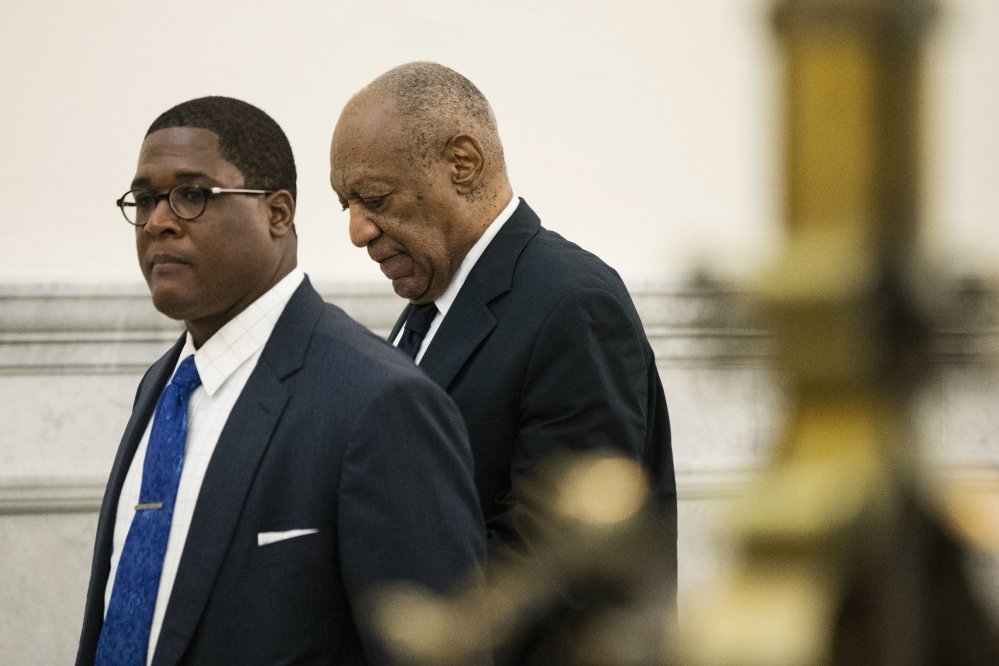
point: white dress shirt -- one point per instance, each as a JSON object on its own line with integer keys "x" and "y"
{"x": 446, "y": 300}
{"x": 224, "y": 364}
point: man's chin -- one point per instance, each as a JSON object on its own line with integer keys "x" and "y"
{"x": 167, "y": 301}
{"x": 410, "y": 288}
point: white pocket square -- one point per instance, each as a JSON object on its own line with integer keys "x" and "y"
{"x": 264, "y": 538}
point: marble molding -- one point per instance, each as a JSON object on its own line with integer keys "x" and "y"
{"x": 72, "y": 355}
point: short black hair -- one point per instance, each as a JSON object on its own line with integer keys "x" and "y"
{"x": 248, "y": 138}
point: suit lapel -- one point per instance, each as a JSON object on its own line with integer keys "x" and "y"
{"x": 230, "y": 473}
{"x": 469, "y": 320}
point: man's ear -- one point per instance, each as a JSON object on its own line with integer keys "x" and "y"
{"x": 467, "y": 160}
{"x": 281, "y": 207}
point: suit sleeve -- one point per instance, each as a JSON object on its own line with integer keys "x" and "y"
{"x": 586, "y": 390}
{"x": 408, "y": 507}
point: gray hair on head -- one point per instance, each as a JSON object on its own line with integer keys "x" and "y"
{"x": 439, "y": 103}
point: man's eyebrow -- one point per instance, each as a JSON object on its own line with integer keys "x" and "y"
{"x": 144, "y": 181}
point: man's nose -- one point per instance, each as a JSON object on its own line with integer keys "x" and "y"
{"x": 362, "y": 229}
{"x": 161, "y": 220}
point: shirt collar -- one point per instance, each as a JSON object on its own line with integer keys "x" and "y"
{"x": 446, "y": 299}
{"x": 243, "y": 336}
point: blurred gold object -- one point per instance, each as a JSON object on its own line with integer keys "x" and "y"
{"x": 606, "y": 492}
{"x": 972, "y": 503}
{"x": 593, "y": 589}
{"x": 844, "y": 557}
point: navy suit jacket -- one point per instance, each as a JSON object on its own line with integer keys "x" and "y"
{"x": 334, "y": 430}
{"x": 544, "y": 354}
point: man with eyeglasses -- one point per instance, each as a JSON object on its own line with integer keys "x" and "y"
{"x": 280, "y": 462}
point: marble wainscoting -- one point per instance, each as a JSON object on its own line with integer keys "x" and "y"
{"x": 71, "y": 357}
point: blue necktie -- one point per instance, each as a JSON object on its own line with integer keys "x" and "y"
{"x": 417, "y": 325}
{"x": 125, "y": 635}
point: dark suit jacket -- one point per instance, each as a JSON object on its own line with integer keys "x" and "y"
{"x": 544, "y": 353}
{"x": 334, "y": 430}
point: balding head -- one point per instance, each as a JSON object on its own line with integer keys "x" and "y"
{"x": 435, "y": 104}
{"x": 417, "y": 160}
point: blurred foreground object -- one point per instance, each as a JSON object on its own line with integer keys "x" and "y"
{"x": 845, "y": 555}
{"x": 593, "y": 592}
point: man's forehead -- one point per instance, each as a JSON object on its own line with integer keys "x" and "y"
{"x": 183, "y": 152}
{"x": 366, "y": 150}
{"x": 190, "y": 139}
{"x": 185, "y": 145}
{"x": 347, "y": 177}
{"x": 372, "y": 119}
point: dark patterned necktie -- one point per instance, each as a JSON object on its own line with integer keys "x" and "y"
{"x": 417, "y": 325}
{"x": 125, "y": 635}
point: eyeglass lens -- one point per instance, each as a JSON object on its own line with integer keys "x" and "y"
{"x": 186, "y": 201}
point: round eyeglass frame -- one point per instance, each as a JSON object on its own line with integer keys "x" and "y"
{"x": 180, "y": 208}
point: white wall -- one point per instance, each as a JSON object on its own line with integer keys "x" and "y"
{"x": 640, "y": 129}
{"x": 645, "y": 130}
{"x": 962, "y": 193}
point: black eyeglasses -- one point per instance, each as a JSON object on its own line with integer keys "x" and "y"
{"x": 186, "y": 201}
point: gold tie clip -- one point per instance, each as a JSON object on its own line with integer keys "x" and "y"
{"x": 148, "y": 506}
